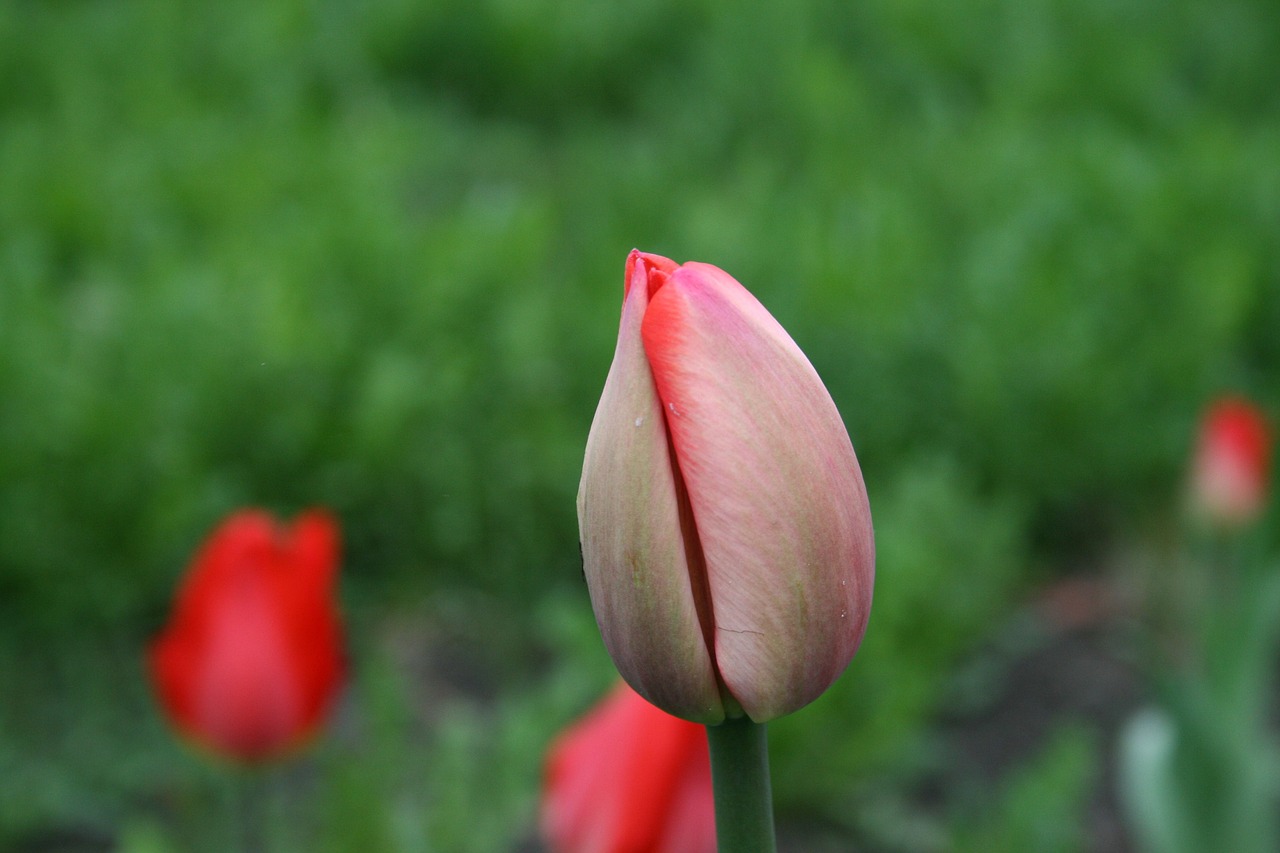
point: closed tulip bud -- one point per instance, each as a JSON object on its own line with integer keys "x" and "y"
{"x": 628, "y": 778}
{"x": 1231, "y": 467}
{"x": 726, "y": 535}
{"x": 251, "y": 659}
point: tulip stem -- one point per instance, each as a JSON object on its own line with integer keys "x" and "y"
{"x": 744, "y": 799}
{"x": 250, "y": 807}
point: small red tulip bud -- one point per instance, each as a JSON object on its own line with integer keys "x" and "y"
{"x": 1231, "y": 467}
{"x": 251, "y": 659}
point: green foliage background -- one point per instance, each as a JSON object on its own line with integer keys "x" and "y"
{"x": 370, "y": 256}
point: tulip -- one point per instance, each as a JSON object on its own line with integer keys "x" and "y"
{"x": 251, "y": 659}
{"x": 628, "y": 778}
{"x": 725, "y": 531}
{"x": 1231, "y": 466}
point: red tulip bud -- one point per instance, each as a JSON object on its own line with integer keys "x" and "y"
{"x": 1230, "y": 471}
{"x": 726, "y": 535}
{"x": 628, "y": 778}
{"x": 251, "y": 659}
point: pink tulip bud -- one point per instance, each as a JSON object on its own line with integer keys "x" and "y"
{"x": 726, "y": 535}
{"x": 1229, "y": 476}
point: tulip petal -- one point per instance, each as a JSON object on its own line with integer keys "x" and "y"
{"x": 691, "y": 815}
{"x": 628, "y": 777}
{"x": 777, "y": 496}
{"x": 304, "y": 585}
{"x": 243, "y": 538}
{"x": 246, "y": 696}
{"x": 313, "y": 540}
{"x": 634, "y": 552}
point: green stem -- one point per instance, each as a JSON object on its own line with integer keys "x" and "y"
{"x": 740, "y": 774}
{"x": 250, "y": 810}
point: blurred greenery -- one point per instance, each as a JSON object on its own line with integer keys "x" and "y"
{"x": 1201, "y": 769}
{"x": 1040, "y": 808}
{"x": 370, "y": 256}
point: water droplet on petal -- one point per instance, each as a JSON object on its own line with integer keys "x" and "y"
{"x": 640, "y": 420}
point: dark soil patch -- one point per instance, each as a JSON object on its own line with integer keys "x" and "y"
{"x": 1068, "y": 660}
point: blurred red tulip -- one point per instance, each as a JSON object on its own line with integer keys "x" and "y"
{"x": 251, "y": 659}
{"x": 629, "y": 778}
{"x": 1231, "y": 469}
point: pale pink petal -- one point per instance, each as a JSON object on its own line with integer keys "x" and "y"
{"x": 777, "y": 495}
{"x": 633, "y": 549}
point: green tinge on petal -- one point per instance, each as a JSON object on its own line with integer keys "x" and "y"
{"x": 776, "y": 491}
